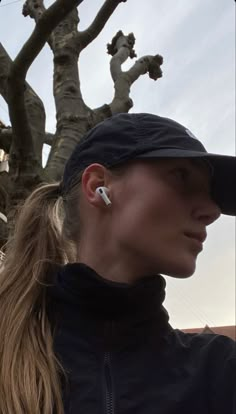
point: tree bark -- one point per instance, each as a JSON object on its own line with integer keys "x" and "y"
{"x": 5, "y": 62}
{"x": 19, "y": 185}
{"x": 34, "y": 108}
{"x": 72, "y": 112}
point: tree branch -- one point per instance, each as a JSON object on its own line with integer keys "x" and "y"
{"x": 87, "y": 36}
{"x": 34, "y": 107}
{"x": 147, "y": 64}
{"x": 121, "y": 48}
{"x": 35, "y": 10}
{"x": 5, "y": 62}
{"x": 49, "y": 138}
{"x": 46, "y": 24}
{"x": 6, "y": 139}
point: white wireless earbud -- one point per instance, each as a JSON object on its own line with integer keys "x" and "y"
{"x": 102, "y": 192}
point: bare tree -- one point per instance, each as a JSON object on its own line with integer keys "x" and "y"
{"x": 24, "y": 139}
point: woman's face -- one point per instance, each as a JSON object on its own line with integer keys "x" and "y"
{"x": 159, "y": 214}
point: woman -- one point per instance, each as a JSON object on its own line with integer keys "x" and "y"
{"x": 83, "y": 327}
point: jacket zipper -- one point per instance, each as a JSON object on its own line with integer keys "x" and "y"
{"x": 108, "y": 384}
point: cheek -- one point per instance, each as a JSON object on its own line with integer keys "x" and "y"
{"x": 147, "y": 213}
{"x": 141, "y": 218}
{"x": 129, "y": 220}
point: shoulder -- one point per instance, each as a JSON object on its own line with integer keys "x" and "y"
{"x": 213, "y": 353}
{"x": 205, "y": 343}
{"x": 214, "y": 356}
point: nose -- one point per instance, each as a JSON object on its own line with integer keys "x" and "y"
{"x": 206, "y": 210}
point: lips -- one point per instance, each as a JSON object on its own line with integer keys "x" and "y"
{"x": 199, "y": 236}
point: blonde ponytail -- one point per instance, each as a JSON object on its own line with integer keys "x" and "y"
{"x": 30, "y": 381}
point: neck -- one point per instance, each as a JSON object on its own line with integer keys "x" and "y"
{"x": 113, "y": 265}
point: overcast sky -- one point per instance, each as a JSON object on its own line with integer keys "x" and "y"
{"x": 196, "y": 39}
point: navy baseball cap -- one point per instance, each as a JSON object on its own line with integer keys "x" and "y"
{"x": 125, "y": 137}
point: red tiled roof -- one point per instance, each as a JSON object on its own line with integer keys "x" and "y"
{"x": 229, "y": 331}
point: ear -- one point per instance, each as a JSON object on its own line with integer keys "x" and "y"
{"x": 94, "y": 176}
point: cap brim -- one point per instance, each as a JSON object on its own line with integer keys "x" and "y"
{"x": 224, "y": 176}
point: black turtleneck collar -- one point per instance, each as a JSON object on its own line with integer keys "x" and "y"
{"x": 101, "y": 300}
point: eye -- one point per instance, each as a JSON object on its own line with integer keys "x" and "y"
{"x": 182, "y": 173}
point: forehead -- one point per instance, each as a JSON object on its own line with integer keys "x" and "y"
{"x": 196, "y": 164}
{"x": 198, "y": 167}
{"x": 148, "y": 171}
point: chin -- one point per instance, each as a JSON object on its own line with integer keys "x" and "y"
{"x": 181, "y": 272}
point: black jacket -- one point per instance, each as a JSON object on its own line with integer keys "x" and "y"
{"x": 123, "y": 357}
